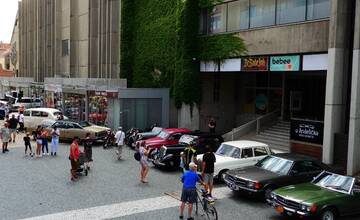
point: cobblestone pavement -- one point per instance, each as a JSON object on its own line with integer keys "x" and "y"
{"x": 41, "y": 189}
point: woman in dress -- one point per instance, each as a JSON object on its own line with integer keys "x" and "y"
{"x": 38, "y": 141}
{"x": 144, "y": 162}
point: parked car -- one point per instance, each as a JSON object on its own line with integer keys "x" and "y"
{"x": 169, "y": 136}
{"x": 26, "y": 102}
{"x": 273, "y": 172}
{"x": 328, "y": 197}
{"x": 150, "y": 134}
{"x": 169, "y": 155}
{"x": 237, "y": 154}
{"x": 71, "y": 129}
{"x": 35, "y": 116}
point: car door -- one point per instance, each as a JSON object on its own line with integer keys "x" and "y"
{"x": 300, "y": 173}
{"x": 352, "y": 204}
{"x": 247, "y": 156}
{"x": 74, "y": 130}
{"x": 259, "y": 153}
{"x": 27, "y": 119}
{"x": 35, "y": 118}
{"x": 62, "y": 126}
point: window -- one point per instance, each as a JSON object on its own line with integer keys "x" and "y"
{"x": 36, "y": 114}
{"x": 60, "y": 125}
{"x": 65, "y": 47}
{"x": 247, "y": 153}
{"x": 238, "y": 15}
{"x": 217, "y": 22}
{"x": 26, "y": 113}
{"x": 306, "y": 166}
{"x": 290, "y": 11}
{"x": 262, "y": 13}
{"x": 317, "y": 9}
{"x": 260, "y": 151}
{"x": 44, "y": 114}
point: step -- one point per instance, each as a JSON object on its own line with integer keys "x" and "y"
{"x": 275, "y": 134}
{"x": 281, "y": 127}
{"x": 284, "y": 123}
{"x": 284, "y": 131}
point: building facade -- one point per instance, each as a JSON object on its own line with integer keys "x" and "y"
{"x": 69, "y": 39}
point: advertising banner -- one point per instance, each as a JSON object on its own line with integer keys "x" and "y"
{"x": 285, "y": 63}
{"x": 307, "y": 131}
{"x": 255, "y": 64}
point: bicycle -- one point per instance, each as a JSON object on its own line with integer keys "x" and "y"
{"x": 207, "y": 204}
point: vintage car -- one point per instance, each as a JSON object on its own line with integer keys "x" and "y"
{"x": 169, "y": 155}
{"x": 329, "y": 196}
{"x": 26, "y": 102}
{"x": 167, "y": 136}
{"x": 273, "y": 172}
{"x": 71, "y": 129}
{"x": 150, "y": 134}
{"x": 236, "y": 154}
{"x": 35, "y": 116}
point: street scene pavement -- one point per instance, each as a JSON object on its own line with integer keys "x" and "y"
{"x": 40, "y": 188}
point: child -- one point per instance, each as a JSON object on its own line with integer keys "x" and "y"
{"x": 27, "y": 144}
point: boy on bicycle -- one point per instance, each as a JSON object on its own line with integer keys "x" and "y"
{"x": 189, "y": 194}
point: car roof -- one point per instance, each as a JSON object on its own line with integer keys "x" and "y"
{"x": 43, "y": 109}
{"x": 176, "y": 130}
{"x": 294, "y": 157}
{"x": 245, "y": 143}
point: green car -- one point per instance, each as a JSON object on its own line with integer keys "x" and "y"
{"x": 328, "y": 197}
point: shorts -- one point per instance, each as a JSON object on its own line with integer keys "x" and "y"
{"x": 12, "y": 130}
{"x": 39, "y": 141}
{"x": 208, "y": 178}
{"x": 189, "y": 196}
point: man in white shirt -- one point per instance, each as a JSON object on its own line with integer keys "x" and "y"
{"x": 21, "y": 121}
{"x": 119, "y": 137}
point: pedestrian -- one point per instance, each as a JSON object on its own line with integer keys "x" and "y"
{"x": 28, "y": 144}
{"x": 60, "y": 116}
{"x": 208, "y": 162}
{"x": 13, "y": 123}
{"x": 5, "y": 137}
{"x": 38, "y": 139}
{"x": 119, "y": 137}
{"x": 189, "y": 155}
{"x": 55, "y": 134}
{"x": 144, "y": 162}
{"x": 7, "y": 119}
{"x": 21, "y": 119}
{"x": 189, "y": 194}
{"x": 212, "y": 125}
{"x": 44, "y": 141}
{"x": 88, "y": 150}
{"x": 74, "y": 158}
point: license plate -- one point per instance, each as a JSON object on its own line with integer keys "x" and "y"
{"x": 280, "y": 209}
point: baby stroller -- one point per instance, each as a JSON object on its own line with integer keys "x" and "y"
{"x": 82, "y": 169}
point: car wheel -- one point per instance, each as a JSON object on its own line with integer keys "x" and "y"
{"x": 328, "y": 214}
{"x": 222, "y": 175}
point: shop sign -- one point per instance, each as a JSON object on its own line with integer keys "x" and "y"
{"x": 107, "y": 94}
{"x": 307, "y": 131}
{"x": 285, "y": 63}
{"x": 255, "y": 64}
{"x": 315, "y": 62}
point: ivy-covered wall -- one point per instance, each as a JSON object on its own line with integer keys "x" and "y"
{"x": 160, "y": 46}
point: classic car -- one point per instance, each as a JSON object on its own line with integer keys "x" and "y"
{"x": 329, "y": 196}
{"x": 236, "y": 154}
{"x": 146, "y": 135}
{"x": 167, "y": 136}
{"x": 71, "y": 129}
{"x": 26, "y": 102}
{"x": 273, "y": 172}
{"x": 169, "y": 155}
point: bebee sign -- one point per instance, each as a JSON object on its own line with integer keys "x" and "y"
{"x": 285, "y": 63}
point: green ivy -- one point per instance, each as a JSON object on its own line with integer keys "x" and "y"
{"x": 160, "y": 46}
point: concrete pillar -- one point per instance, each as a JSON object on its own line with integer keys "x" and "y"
{"x": 336, "y": 82}
{"x": 353, "y": 165}
{"x": 189, "y": 117}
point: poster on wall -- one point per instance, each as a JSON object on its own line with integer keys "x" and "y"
{"x": 285, "y": 63}
{"x": 255, "y": 64}
{"x": 307, "y": 131}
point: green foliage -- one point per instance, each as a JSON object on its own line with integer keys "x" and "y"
{"x": 160, "y": 46}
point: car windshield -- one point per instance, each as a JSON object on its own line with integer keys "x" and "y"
{"x": 156, "y": 130}
{"x": 275, "y": 164}
{"x": 85, "y": 124}
{"x": 228, "y": 151}
{"x": 334, "y": 181}
{"x": 163, "y": 135}
{"x": 187, "y": 139}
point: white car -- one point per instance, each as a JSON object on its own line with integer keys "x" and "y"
{"x": 27, "y": 102}
{"x": 236, "y": 154}
{"x": 35, "y": 116}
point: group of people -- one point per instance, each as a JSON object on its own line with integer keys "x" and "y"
{"x": 41, "y": 136}
{"x": 75, "y": 153}
{"x": 10, "y": 129}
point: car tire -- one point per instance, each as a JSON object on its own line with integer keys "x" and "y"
{"x": 221, "y": 175}
{"x": 328, "y": 214}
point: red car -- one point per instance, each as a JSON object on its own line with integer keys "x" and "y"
{"x": 167, "y": 136}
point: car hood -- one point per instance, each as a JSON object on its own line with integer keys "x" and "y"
{"x": 155, "y": 141}
{"x": 95, "y": 128}
{"x": 253, "y": 173}
{"x": 308, "y": 193}
{"x": 150, "y": 133}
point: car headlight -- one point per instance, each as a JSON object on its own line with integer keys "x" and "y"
{"x": 304, "y": 208}
{"x": 273, "y": 195}
{"x": 251, "y": 185}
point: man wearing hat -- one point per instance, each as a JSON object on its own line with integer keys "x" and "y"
{"x": 119, "y": 137}
{"x": 189, "y": 195}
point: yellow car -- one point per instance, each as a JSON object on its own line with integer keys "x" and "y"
{"x": 71, "y": 129}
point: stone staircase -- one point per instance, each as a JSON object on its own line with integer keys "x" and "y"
{"x": 276, "y": 136}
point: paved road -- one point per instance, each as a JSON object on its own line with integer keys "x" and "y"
{"x": 40, "y": 189}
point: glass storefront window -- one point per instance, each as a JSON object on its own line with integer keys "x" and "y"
{"x": 290, "y": 11}
{"x": 238, "y": 15}
{"x": 317, "y": 9}
{"x": 217, "y": 22}
{"x": 262, "y": 13}
{"x": 74, "y": 106}
{"x": 98, "y": 106}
